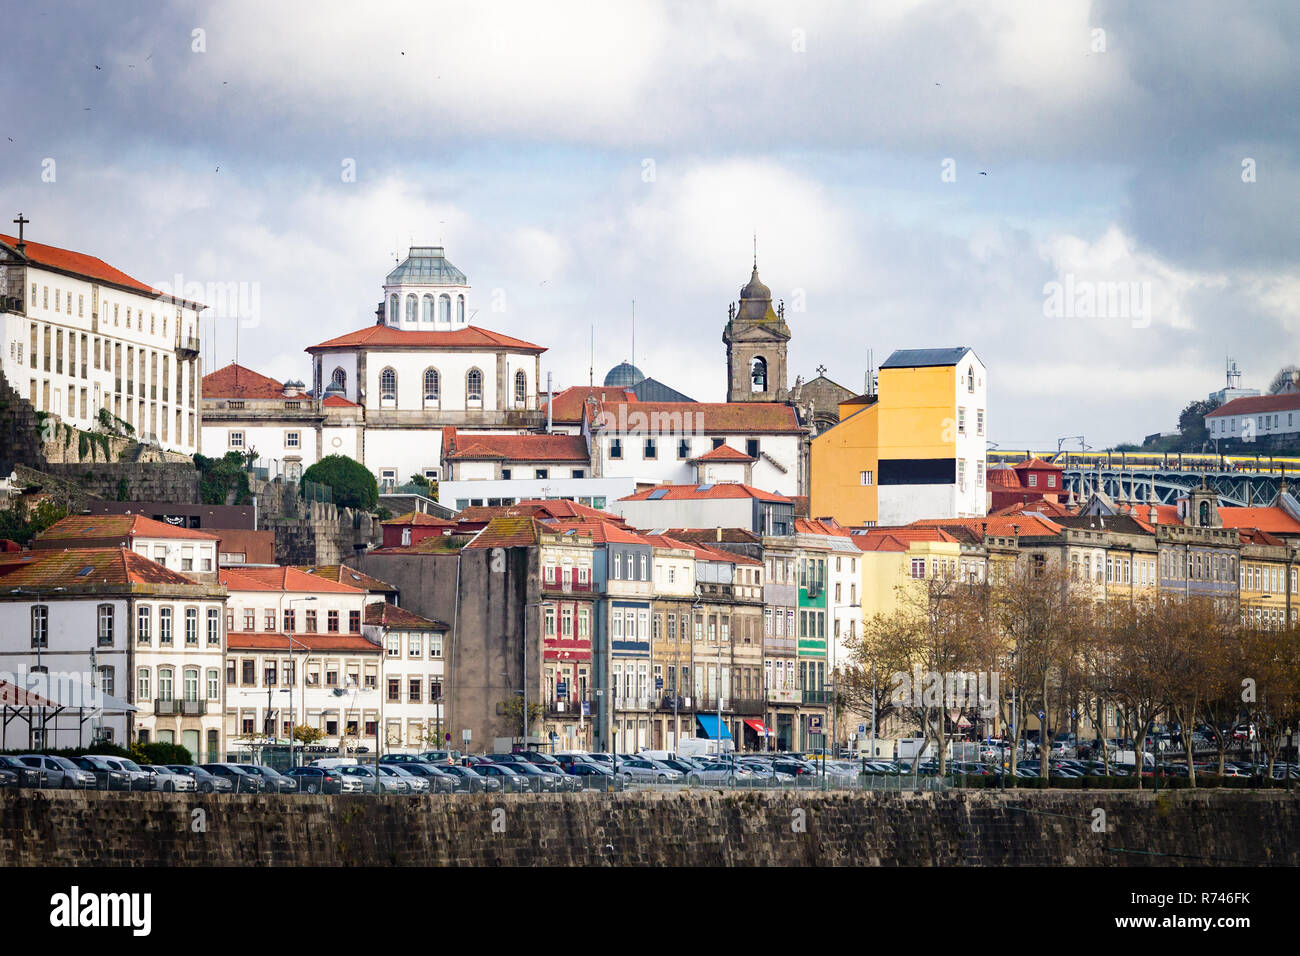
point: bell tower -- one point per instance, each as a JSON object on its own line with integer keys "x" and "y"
{"x": 756, "y": 337}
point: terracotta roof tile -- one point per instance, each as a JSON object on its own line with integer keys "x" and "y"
{"x": 507, "y": 532}
{"x": 79, "y": 263}
{"x": 383, "y": 336}
{"x": 390, "y": 615}
{"x": 570, "y": 403}
{"x": 1258, "y": 405}
{"x": 235, "y": 381}
{"x": 730, "y": 489}
{"x": 116, "y": 527}
{"x": 280, "y": 578}
{"x": 342, "y": 574}
{"x": 1272, "y": 520}
{"x": 76, "y": 568}
{"x": 706, "y": 417}
{"x": 517, "y": 447}
{"x": 323, "y": 643}
{"x": 724, "y": 453}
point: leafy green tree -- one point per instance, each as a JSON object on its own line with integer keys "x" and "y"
{"x": 218, "y": 477}
{"x": 351, "y": 483}
{"x": 22, "y": 524}
{"x": 1191, "y": 424}
{"x": 307, "y": 735}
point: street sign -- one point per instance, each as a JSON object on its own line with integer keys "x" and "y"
{"x": 814, "y": 724}
{"x": 586, "y": 708}
{"x": 659, "y": 683}
{"x": 561, "y": 690}
{"x": 1040, "y": 715}
{"x": 862, "y": 729}
{"x": 466, "y": 735}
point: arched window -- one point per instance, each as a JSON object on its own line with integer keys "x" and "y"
{"x": 426, "y": 313}
{"x": 410, "y": 307}
{"x": 460, "y": 309}
{"x": 165, "y": 683}
{"x": 444, "y": 308}
{"x": 758, "y": 374}
{"x": 521, "y": 387}
{"x": 474, "y": 385}
{"x": 388, "y": 387}
{"x": 431, "y": 383}
{"x": 340, "y": 378}
{"x": 393, "y": 314}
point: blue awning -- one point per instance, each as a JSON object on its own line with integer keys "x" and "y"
{"x": 710, "y": 725}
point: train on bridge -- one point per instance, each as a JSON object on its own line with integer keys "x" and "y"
{"x": 1153, "y": 461}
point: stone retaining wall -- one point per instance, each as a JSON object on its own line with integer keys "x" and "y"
{"x": 682, "y": 828}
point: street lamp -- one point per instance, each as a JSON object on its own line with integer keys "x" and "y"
{"x": 293, "y": 673}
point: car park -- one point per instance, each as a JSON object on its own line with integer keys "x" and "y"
{"x": 567, "y": 760}
{"x": 204, "y": 782}
{"x": 323, "y": 780}
{"x": 723, "y": 773}
{"x": 535, "y": 778}
{"x": 511, "y": 782}
{"x": 167, "y": 780}
{"x": 275, "y": 781}
{"x": 647, "y": 771}
{"x": 108, "y": 776}
{"x": 387, "y": 784}
{"x": 415, "y": 783}
{"x": 467, "y": 781}
{"x": 241, "y": 780}
{"x": 26, "y": 775}
{"x": 61, "y": 772}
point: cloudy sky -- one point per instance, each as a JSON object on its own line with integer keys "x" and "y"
{"x": 918, "y": 173}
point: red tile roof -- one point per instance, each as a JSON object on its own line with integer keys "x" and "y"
{"x": 384, "y": 336}
{"x": 342, "y": 574}
{"x": 602, "y": 532}
{"x": 338, "y": 401}
{"x": 876, "y": 539}
{"x": 67, "y": 569}
{"x": 706, "y": 417}
{"x": 115, "y": 528}
{"x": 390, "y": 615}
{"x": 323, "y": 643}
{"x": 1049, "y": 508}
{"x": 470, "y": 447}
{"x": 1029, "y": 525}
{"x": 561, "y": 509}
{"x": 1258, "y": 405}
{"x": 1037, "y": 464}
{"x": 1272, "y": 520}
{"x": 820, "y": 526}
{"x": 280, "y": 578}
{"x": 724, "y": 453}
{"x": 730, "y": 489}
{"x": 419, "y": 519}
{"x": 569, "y": 403}
{"x": 507, "y": 532}
{"x": 235, "y": 381}
{"x": 78, "y": 263}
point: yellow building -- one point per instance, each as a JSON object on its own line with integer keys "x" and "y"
{"x": 915, "y": 449}
{"x": 1268, "y": 580}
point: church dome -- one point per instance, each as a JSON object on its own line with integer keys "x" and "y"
{"x": 426, "y": 265}
{"x": 755, "y": 289}
{"x": 624, "y": 375}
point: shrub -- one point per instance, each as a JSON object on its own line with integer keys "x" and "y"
{"x": 351, "y": 483}
{"x": 159, "y": 752}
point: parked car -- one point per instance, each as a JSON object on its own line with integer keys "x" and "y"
{"x": 511, "y": 782}
{"x": 26, "y": 774}
{"x": 467, "y": 781}
{"x": 399, "y": 758}
{"x": 63, "y": 773}
{"x": 440, "y": 756}
{"x": 8, "y": 779}
{"x": 367, "y": 775}
{"x": 240, "y": 779}
{"x": 204, "y": 781}
{"x": 439, "y": 782}
{"x": 567, "y": 760}
{"x": 415, "y": 783}
{"x": 724, "y": 773}
{"x": 582, "y": 769}
{"x": 648, "y": 771}
{"x": 565, "y": 782}
{"x": 166, "y": 780}
{"x": 108, "y": 776}
{"x": 323, "y": 780}
{"x": 535, "y": 778}
{"x": 539, "y": 758}
{"x": 275, "y": 781}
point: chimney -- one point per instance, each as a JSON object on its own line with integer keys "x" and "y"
{"x": 719, "y": 533}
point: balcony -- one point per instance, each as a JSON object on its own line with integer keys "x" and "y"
{"x": 163, "y": 707}
{"x": 684, "y": 704}
{"x": 816, "y": 697}
{"x": 633, "y": 703}
{"x": 571, "y": 706}
{"x": 194, "y": 708}
{"x": 173, "y": 707}
{"x": 187, "y": 345}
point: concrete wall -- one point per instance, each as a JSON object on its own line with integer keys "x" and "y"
{"x": 703, "y": 828}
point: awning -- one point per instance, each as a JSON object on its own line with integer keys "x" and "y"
{"x": 757, "y": 727}
{"x": 710, "y": 725}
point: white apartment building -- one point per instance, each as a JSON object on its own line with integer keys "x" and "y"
{"x": 78, "y": 336}
{"x": 412, "y": 672}
{"x": 111, "y": 619}
{"x": 297, "y": 654}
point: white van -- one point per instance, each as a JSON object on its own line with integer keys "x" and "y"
{"x": 332, "y": 763}
{"x": 658, "y": 754}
